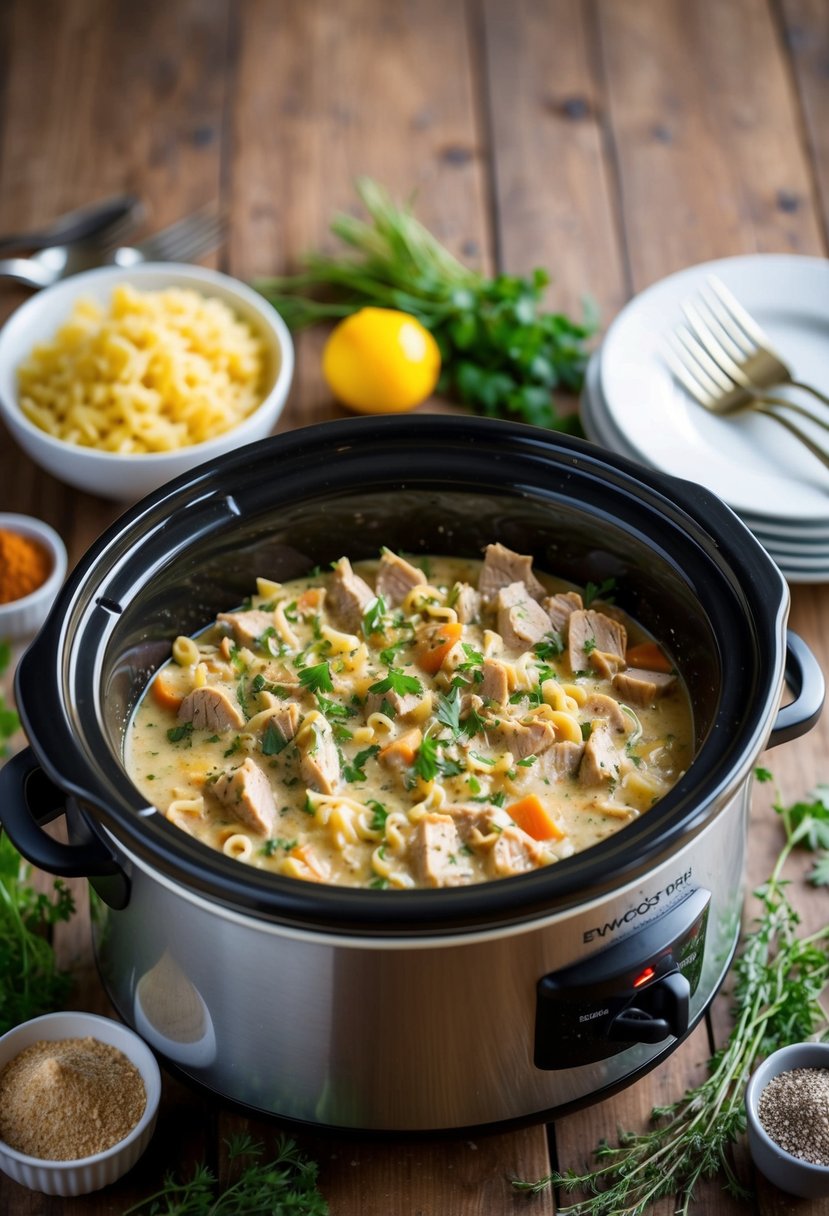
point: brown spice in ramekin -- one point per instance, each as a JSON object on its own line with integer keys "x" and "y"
{"x": 64, "y": 1099}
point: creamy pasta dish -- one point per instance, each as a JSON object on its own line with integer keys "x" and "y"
{"x": 405, "y": 724}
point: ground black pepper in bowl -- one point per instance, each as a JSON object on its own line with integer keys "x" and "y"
{"x": 794, "y": 1110}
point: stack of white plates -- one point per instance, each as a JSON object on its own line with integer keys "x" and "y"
{"x": 632, "y": 404}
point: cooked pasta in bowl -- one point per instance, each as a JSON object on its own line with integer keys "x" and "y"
{"x": 402, "y": 724}
{"x": 118, "y": 380}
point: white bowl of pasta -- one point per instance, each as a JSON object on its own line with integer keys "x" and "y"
{"x": 116, "y": 381}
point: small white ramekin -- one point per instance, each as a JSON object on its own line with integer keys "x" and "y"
{"x": 69, "y": 1178}
{"x": 22, "y": 618}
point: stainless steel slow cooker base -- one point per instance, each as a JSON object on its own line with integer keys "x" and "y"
{"x": 400, "y": 1034}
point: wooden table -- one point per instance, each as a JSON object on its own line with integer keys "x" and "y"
{"x": 612, "y": 141}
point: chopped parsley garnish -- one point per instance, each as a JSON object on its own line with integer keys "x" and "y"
{"x": 333, "y": 709}
{"x": 180, "y": 734}
{"x": 472, "y": 724}
{"x": 397, "y": 681}
{"x": 275, "y": 843}
{"x": 589, "y": 645}
{"x": 483, "y": 759}
{"x": 599, "y": 591}
{"x": 449, "y": 711}
{"x": 273, "y": 741}
{"x": 355, "y": 771}
{"x": 379, "y": 815}
{"x": 426, "y": 760}
{"x": 526, "y": 762}
{"x": 550, "y": 646}
{"x": 586, "y": 730}
{"x": 373, "y": 615}
{"x": 317, "y": 678}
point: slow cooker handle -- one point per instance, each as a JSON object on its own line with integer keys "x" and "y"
{"x": 805, "y": 678}
{"x": 28, "y": 799}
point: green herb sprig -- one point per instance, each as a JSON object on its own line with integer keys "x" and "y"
{"x": 502, "y": 353}
{"x": 286, "y": 1183}
{"x": 30, "y": 982}
{"x": 779, "y": 979}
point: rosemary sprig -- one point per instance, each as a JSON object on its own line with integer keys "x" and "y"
{"x": 502, "y": 353}
{"x": 780, "y": 978}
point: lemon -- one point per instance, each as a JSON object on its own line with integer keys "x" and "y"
{"x": 380, "y": 361}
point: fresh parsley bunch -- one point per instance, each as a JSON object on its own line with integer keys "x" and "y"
{"x": 780, "y": 977}
{"x": 502, "y": 353}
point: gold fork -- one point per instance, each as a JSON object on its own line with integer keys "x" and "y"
{"x": 701, "y": 360}
{"x": 759, "y": 365}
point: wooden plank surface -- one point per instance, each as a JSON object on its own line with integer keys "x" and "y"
{"x": 612, "y": 142}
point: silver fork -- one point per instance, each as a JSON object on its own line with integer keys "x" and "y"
{"x": 184, "y": 241}
{"x": 700, "y": 362}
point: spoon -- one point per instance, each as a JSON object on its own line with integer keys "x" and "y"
{"x": 85, "y": 224}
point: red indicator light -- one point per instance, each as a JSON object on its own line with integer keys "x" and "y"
{"x": 646, "y": 975}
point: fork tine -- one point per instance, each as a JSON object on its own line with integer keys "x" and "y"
{"x": 715, "y": 343}
{"x": 197, "y": 242}
{"x": 687, "y": 369}
{"x": 718, "y": 321}
{"x": 737, "y": 313}
{"x": 188, "y": 236}
{"x": 720, "y": 382}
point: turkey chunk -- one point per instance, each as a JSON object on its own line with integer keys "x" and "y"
{"x": 602, "y": 706}
{"x": 521, "y": 621}
{"x": 211, "y": 709}
{"x": 466, "y": 601}
{"x": 495, "y": 684}
{"x": 559, "y": 608}
{"x": 642, "y": 687}
{"x": 400, "y": 704}
{"x": 601, "y": 760}
{"x": 560, "y": 760}
{"x": 347, "y": 595}
{"x": 319, "y": 764}
{"x": 514, "y": 852}
{"x": 501, "y": 567}
{"x": 593, "y": 639}
{"x": 246, "y": 792}
{"x": 436, "y": 855}
{"x": 522, "y": 739}
{"x": 396, "y": 578}
{"x": 247, "y": 626}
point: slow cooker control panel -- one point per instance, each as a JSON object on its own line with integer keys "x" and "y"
{"x": 637, "y": 991}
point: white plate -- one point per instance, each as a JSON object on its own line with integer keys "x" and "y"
{"x": 749, "y": 461}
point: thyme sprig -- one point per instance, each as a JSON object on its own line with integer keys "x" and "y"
{"x": 779, "y": 980}
{"x": 286, "y": 1183}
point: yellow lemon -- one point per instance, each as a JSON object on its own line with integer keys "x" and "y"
{"x": 381, "y": 361}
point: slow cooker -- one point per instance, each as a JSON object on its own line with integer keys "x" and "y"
{"x": 409, "y": 1010}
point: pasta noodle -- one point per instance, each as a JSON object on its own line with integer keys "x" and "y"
{"x": 155, "y": 372}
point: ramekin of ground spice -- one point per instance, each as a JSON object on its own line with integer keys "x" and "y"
{"x": 32, "y": 569}
{"x": 78, "y": 1101}
{"x": 787, "y": 1105}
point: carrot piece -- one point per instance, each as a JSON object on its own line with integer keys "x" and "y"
{"x": 164, "y": 695}
{"x": 431, "y": 658}
{"x": 650, "y": 656}
{"x": 533, "y": 818}
{"x": 403, "y": 749}
{"x": 311, "y": 598}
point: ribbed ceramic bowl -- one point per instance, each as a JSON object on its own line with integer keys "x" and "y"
{"x": 787, "y": 1172}
{"x": 69, "y": 1178}
{"x": 126, "y": 476}
{"x": 22, "y": 618}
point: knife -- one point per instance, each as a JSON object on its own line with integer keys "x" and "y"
{"x": 81, "y": 225}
